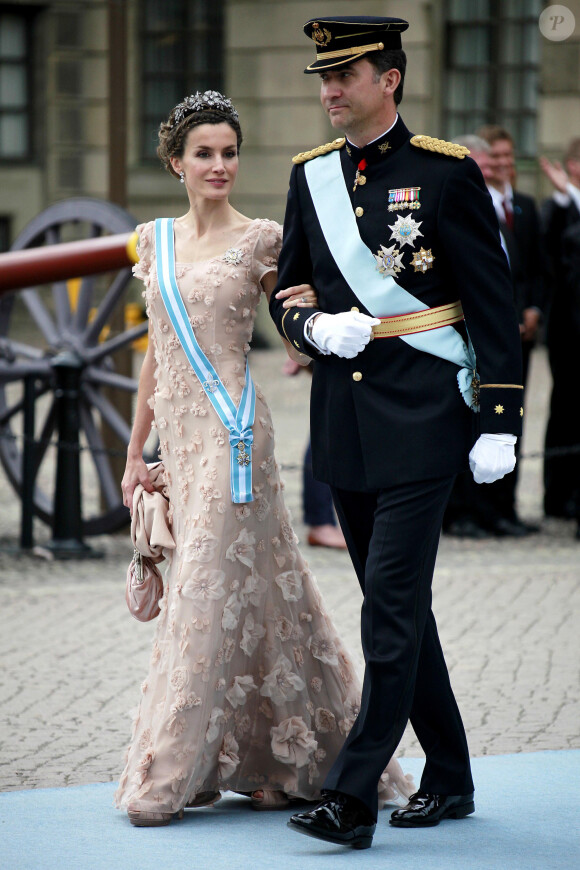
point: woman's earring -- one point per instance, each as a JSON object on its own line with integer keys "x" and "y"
{"x": 182, "y": 176}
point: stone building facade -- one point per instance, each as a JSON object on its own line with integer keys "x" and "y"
{"x": 470, "y": 62}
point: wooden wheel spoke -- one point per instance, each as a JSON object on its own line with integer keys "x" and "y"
{"x": 95, "y": 354}
{"x": 107, "y": 306}
{"x": 61, "y": 305}
{"x": 109, "y": 486}
{"x": 7, "y": 413}
{"x": 41, "y": 316}
{"x": 109, "y": 414}
{"x": 109, "y": 379}
{"x": 12, "y": 349}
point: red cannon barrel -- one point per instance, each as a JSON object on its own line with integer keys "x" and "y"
{"x": 48, "y": 263}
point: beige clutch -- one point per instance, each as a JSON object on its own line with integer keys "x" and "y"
{"x": 152, "y": 538}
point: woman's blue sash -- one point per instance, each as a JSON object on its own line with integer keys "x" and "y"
{"x": 238, "y": 421}
{"x": 381, "y": 295}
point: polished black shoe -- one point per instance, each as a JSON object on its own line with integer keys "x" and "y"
{"x": 467, "y": 528}
{"x": 426, "y": 810}
{"x": 339, "y": 819}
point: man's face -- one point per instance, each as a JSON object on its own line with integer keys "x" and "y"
{"x": 483, "y": 160}
{"x": 502, "y": 162}
{"x": 351, "y": 96}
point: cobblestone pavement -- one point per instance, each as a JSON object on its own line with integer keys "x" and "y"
{"x": 72, "y": 659}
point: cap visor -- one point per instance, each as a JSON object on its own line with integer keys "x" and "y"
{"x": 322, "y": 64}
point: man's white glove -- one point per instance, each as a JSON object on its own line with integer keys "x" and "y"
{"x": 344, "y": 334}
{"x": 492, "y": 457}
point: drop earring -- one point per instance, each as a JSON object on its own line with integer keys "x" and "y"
{"x": 182, "y": 176}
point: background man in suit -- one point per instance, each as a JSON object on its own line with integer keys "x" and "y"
{"x": 520, "y": 228}
{"x": 561, "y": 220}
{"x": 389, "y": 426}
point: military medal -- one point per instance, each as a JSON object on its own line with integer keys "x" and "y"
{"x": 242, "y": 457}
{"x": 389, "y": 261}
{"x": 404, "y": 197}
{"x": 360, "y": 179}
{"x": 422, "y": 260}
{"x": 405, "y": 230}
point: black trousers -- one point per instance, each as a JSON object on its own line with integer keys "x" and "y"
{"x": 393, "y": 536}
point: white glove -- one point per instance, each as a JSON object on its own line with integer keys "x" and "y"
{"x": 492, "y": 457}
{"x": 344, "y": 334}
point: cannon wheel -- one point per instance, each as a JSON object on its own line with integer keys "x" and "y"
{"x": 37, "y": 324}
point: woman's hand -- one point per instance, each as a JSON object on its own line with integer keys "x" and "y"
{"x": 135, "y": 473}
{"x": 301, "y": 296}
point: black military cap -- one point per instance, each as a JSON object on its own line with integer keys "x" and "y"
{"x": 342, "y": 40}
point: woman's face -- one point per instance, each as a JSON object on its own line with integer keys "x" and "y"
{"x": 210, "y": 161}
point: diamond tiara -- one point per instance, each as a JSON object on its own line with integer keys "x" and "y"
{"x": 198, "y": 102}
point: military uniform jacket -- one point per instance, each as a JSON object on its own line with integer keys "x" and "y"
{"x": 394, "y": 414}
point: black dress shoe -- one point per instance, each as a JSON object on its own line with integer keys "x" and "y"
{"x": 504, "y": 528}
{"x": 339, "y": 819}
{"x": 467, "y": 528}
{"x": 426, "y": 810}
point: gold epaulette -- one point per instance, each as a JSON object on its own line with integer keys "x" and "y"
{"x": 440, "y": 146}
{"x": 319, "y": 151}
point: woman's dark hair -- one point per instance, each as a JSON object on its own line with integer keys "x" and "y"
{"x": 192, "y": 112}
{"x": 390, "y": 58}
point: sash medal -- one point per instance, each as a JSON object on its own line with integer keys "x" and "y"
{"x": 238, "y": 421}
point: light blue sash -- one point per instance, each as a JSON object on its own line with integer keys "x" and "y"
{"x": 238, "y": 421}
{"x": 381, "y": 295}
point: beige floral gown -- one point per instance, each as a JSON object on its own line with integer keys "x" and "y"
{"x": 249, "y": 685}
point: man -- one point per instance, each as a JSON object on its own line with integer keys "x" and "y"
{"x": 386, "y": 225}
{"x": 561, "y": 218}
{"x": 520, "y": 228}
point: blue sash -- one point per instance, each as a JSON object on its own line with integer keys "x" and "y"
{"x": 381, "y": 295}
{"x": 238, "y": 421}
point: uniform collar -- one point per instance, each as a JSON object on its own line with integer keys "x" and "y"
{"x": 380, "y": 148}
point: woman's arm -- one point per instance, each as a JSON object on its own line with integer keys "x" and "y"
{"x": 136, "y": 467}
{"x": 294, "y": 297}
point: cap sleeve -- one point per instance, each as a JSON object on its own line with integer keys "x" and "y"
{"x": 144, "y": 251}
{"x": 267, "y": 249}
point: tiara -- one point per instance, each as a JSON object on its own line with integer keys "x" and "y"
{"x": 198, "y": 102}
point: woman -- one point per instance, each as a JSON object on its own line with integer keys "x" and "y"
{"x": 249, "y": 687}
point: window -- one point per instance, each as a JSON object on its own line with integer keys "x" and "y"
{"x": 492, "y": 67}
{"x": 14, "y": 85}
{"x": 181, "y": 52}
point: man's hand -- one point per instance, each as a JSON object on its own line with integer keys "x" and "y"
{"x": 492, "y": 457}
{"x": 344, "y": 334}
{"x": 556, "y": 173}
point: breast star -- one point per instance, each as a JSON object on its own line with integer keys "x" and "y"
{"x": 498, "y": 409}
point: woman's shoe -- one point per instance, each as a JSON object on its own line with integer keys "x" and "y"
{"x": 204, "y": 799}
{"x": 150, "y": 818}
{"x": 270, "y": 800}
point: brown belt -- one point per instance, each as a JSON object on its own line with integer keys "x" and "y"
{"x": 419, "y": 321}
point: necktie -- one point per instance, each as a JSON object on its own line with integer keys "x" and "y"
{"x": 508, "y": 212}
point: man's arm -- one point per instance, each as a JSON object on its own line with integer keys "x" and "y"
{"x": 294, "y": 267}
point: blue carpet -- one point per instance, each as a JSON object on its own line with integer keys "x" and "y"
{"x": 526, "y": 818}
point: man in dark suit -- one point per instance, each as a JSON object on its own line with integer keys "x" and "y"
{"x": 398, "y": 235}
{"x": 561, "y": 224}
{"x": 520, "y": 227}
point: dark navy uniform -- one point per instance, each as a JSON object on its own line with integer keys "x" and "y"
{"x": 404, "y": 418}
{"x": 389, "y": 427}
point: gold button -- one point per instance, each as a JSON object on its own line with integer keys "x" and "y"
{"x": 362, "y": 179}
{"x": 359, "y": 211}
{"x": 356, "y": 376}
{"x": 354, "y": 308}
